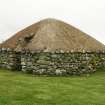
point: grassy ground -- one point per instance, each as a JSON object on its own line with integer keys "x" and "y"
{"x": 23, "y": 89}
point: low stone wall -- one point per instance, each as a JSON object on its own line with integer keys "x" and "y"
{"x": 58, "y": 63}
{"x": 62, "y": 63}
{"x": 9, "y": 59}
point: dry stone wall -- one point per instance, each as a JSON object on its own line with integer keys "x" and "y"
{"x": 62, "y": 63}
{"x": 9, "y": 59}
{"x": 58, "y": 63}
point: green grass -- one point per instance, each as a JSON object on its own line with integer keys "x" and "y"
{"x": 17, "y": 88}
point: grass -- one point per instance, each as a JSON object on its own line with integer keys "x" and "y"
{"x": 17, "y": 88}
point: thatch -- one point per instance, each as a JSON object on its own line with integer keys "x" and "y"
{"x": 51, "y": 35}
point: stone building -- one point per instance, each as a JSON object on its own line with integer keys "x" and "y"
{"x": 52, "y": 47}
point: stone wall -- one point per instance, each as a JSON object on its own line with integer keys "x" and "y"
{"x": 9, "y": 59}
{"x": 62, "y": 63}
{"x": 58, "y": 63}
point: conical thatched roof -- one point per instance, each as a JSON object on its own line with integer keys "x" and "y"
{"x": 51, "y": 35}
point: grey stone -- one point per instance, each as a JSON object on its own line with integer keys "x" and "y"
{"x": 58, "y": 72}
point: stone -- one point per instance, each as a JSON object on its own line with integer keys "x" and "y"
{"x": 58, "y": 72}
{"x": 43, "y": 62}
{"x": 23, "y": 63}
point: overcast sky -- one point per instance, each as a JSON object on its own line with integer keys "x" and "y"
{"x": 87, "y": 15}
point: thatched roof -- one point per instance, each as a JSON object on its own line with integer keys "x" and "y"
{"x": 51, "y": 35}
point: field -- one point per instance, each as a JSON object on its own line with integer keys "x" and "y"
{"x": 17, "y": 88}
